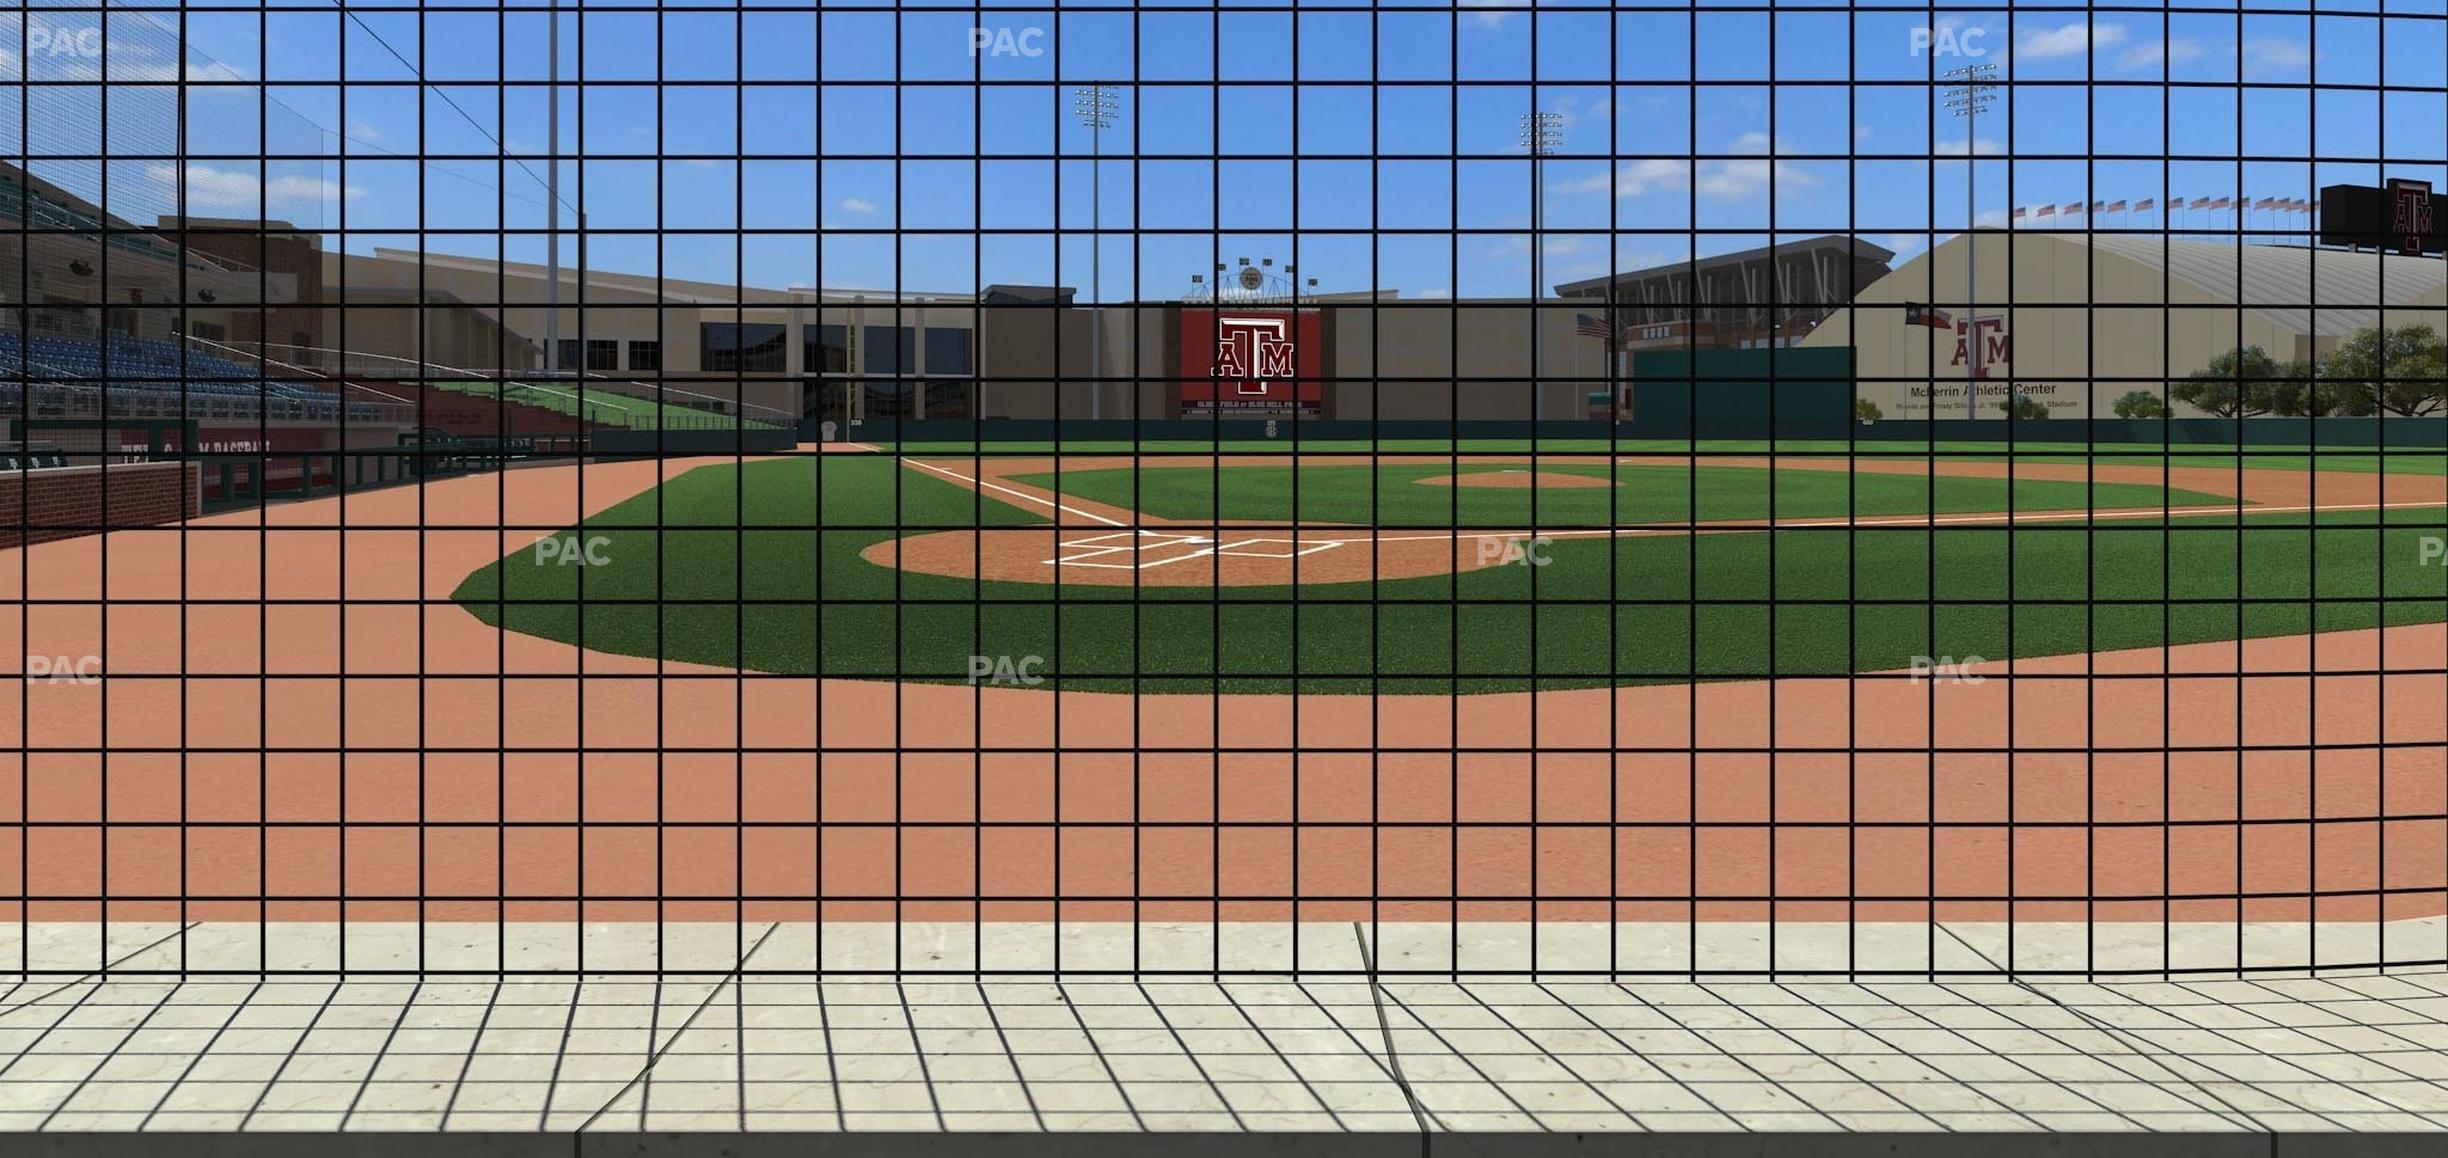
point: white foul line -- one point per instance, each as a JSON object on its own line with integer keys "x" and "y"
{"x": 1018, "y": 494}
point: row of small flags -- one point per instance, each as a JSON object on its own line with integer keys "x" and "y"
{"x": 2175, "y": 204}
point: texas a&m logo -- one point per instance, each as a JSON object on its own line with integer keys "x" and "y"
{"x": 1251, "y": 351}
{"x": 2410, "y": 213}
{"x": 1984, "y": 342}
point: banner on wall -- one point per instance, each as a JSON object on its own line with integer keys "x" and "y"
{"x": 1252, "y": 361}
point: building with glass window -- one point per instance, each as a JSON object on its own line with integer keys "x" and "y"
{"x": 1011, "y": 351}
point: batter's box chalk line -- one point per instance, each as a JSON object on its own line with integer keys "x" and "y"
{"x": 1091, "y": 550}
{"x": 1080, "y": 552}
{"x": 1299, "y": 548}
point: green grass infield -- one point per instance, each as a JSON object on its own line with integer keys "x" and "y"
{"x": 758, "y": 566}
{"x": 1400, "y": 495}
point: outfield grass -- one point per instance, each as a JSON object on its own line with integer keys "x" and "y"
{"x": 1660, "y": 609}
{"x": 2355, "y": 459}
{"x": 1394, "y": 496}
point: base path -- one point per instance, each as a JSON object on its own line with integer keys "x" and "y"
{"x": 298, "y": 725}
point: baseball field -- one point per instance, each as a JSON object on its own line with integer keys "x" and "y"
{"x": 2161, "y": 711}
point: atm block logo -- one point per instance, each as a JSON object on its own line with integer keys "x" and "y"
{"x": 1262, "y": 360}
{"x": 1984, "y": 342}
{"x": 1250, "y": 351}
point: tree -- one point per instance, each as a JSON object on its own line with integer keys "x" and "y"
{"x": 2025, "y": 407}
{"x": 2303, "y": 392}
{"x": 1867, "y": 411}
{"x": 2400, "y": 371}
{"x": 2141, "y": 404}
{"x": 2242, "y": 383}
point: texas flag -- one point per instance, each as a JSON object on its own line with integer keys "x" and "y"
{"x": 1916, "y": 314}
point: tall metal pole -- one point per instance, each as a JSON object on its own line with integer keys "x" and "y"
{"x": 1096, "y": 108}
{"x": 552, "y": 195}
{"x": 1541, "y": 134}
{"x": 1971, "y": 88}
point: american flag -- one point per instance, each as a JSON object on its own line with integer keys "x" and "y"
{"x": 2116, "y": 207}
{"x": 1588, "y": 326}
{"x": 2145, "y": 205}
{"x": 2047, "y": 211}
{"x": 2199, "y": 203}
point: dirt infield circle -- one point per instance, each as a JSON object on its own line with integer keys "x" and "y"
{"x": 1511, "y": 479}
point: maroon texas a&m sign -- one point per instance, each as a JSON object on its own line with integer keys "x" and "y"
{"x": 1261, "y": 360}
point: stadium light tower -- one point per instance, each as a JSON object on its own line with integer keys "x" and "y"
{"x": 1542, "y": 134}
{"x": 552, "y": 194}
{"x": 1095, "y": 107}
{"x": 1969, "y": 90}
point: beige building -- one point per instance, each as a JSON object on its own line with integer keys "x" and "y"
{"x": 2158, "y": 310}
{"x": 1021, "y": 352}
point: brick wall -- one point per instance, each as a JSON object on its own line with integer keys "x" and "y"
{"x": 41, "y": 505}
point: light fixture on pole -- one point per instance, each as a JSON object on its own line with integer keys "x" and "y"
{"x": 1542, "y": 134}
{"x": 552, "y": 194}
{"x": 1096, "y": 108}
{"x": 1969, "y": 90}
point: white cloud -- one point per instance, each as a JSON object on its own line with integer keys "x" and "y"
{"x": 1724, "y": 179}
{"x": 2276, "y": 54}
{"x": 1981, "y": 147}
{"x": 857, "y": 205}
{"x": 1488, "y": 13}
{"x": 2153, "y": 53}
{"x": 1575, "y": 116}
{"x": 2068, "y": 40}
{"x": 1741, "y": 180}
{"x": 240, "y": 191}
{"x": 1633, "y": 178}
{"x": 1519, "y": 246}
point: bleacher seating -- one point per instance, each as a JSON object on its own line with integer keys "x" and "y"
{"x": 148, "y": 375}
{"x": 127, "y": 360}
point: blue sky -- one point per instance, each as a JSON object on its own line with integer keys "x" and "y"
{"x": 1683, "y": 132}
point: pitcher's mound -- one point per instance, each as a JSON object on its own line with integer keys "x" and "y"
{"x": 1523, "y": 477}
